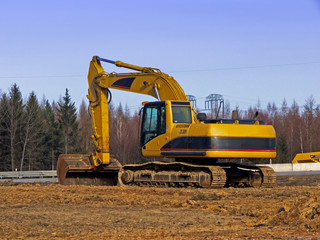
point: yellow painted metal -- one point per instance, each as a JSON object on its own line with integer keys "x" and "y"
{"x": 309, "y": 157}
{"x": 149, "y": 81}
{"x": 98, "y": 99}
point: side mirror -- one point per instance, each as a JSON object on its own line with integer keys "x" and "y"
{"x": 140, "y": 111}
{"x": 201, "y": 116}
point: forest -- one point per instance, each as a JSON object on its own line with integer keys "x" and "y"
{"x": 33, "y": 133}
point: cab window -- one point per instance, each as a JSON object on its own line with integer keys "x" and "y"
{"x": 151, "y": 119}
{"x": 181, "y": 114}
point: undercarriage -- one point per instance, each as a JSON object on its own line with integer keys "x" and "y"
{"x": 77, "y": 169}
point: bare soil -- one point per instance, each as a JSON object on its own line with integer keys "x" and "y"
{"x": 291, "y": 210}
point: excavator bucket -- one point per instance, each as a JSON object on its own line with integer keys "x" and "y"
{"x": 77, "y": 169}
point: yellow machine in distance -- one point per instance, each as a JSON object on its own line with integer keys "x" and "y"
{"x": 309, "y": 157}
{"x": 170, "y": 127}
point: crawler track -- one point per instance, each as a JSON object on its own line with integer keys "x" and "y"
{"x": 240, "y": 175}
{"x": 172, "y": 175}
{"x": 269, "y": 177}
{"x": 188, "y": 175}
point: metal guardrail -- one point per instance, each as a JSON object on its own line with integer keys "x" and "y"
{"x": 28, "y": 174}
{"x": 288, "y": 169}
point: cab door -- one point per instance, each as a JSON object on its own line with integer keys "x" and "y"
{"x": 153, "y": 121}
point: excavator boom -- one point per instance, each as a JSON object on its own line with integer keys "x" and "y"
{"x": 148, "y": 81}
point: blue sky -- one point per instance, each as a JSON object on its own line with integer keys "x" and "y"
{"x": 246, "y": 50}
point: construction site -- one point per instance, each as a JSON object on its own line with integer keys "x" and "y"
{"x": 159, "y": 120}
{"x": 196, "y": 177}
{"x": 290, "y": 210}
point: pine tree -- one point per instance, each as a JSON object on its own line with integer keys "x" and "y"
{"x": 52, "y": 138}
{"x": 4, "y": 135}
{"x": 282, "y": 149}
{"x": 68, "y": 125}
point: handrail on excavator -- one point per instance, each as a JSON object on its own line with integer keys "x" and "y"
{"x": 106, "y": 60}
{"x": 126, "y": 65}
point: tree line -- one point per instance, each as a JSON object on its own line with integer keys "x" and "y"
{"x": 34, "y": 133}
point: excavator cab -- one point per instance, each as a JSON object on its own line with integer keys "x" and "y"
{"x": 154, "y": 118}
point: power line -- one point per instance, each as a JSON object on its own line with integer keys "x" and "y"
{"x": 247, "y": 67}
{"x": 45, "y": 76}
{"x": 178, "y": 71}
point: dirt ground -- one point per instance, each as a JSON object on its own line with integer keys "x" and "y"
{"x": 291, "y": 210}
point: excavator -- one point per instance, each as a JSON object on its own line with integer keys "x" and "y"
{"x": 204, "y": 150}
{"x": 309, "y": 157}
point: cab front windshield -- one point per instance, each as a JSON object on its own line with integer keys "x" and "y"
{"x": 181, "y": 114}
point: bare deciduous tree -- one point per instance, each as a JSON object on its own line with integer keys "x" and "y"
{"x": 85, "y": 129}
{"x": 31, "y": 135}
{"x": 14, "y": 112}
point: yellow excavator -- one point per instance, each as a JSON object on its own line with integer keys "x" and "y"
{"x": 309, "y": 157}
{"x": 203, "y": 149}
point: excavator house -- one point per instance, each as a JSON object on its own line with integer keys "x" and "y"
{"x": 171, "y": 128}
